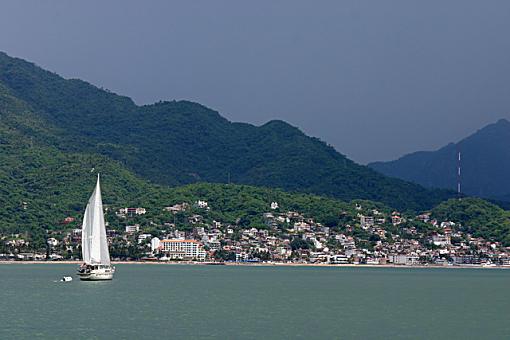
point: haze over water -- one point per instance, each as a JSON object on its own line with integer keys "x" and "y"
{"x": 236, "y": 302}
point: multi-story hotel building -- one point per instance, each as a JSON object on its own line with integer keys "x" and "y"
{"x": 183, "y": 249}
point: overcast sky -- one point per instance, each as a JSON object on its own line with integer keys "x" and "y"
{"x": 376, "y": 79}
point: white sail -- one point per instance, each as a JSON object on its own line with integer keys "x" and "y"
{"x": 86, "y": 231}
{"x": 94, "y": 244}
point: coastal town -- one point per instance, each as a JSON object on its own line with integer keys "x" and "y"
{"x": 370, "y": 237}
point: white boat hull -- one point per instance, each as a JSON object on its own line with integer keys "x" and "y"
{"x": 97, "y": 274}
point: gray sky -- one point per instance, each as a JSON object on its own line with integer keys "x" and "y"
{"x": 376, "y": 79}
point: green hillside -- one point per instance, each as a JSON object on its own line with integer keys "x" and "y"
{"x": 176, "y": 143}
{"x": 41, "y": 185}
{"x": 477, "y": 217}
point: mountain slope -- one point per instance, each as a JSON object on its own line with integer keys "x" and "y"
{"x": 485, "y": 164}
{"x": 174, "y": 143}
{"x": 39, "y": 184}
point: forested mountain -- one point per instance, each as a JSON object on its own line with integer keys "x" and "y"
{"x": 485, "y": 164}
{"x": 174, "y": 143}
{"x": 40, "y": 184}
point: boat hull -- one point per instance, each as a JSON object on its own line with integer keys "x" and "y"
{"x": 97, "y": 274}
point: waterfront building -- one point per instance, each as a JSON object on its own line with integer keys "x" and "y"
{"x": 52, "y": 242}
{"x": 183, "y": 249}
{"x": 338, "y": 259}
{"x": 155, "y": 243}
{"x": 405, "y": 259}
{"x": 242, "y": 257}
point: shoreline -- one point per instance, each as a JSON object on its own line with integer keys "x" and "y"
{"x": 275, "y": 264}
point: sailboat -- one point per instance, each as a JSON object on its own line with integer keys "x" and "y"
{"x": 94, "y": 247}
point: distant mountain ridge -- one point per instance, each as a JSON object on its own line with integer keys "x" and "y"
{"x": 180, "y": 142}
{"x": 485, "y": 164}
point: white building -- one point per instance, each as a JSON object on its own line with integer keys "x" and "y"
{"x": 52, "y": 242}
{"x": 366, "y": 221}
{"x": 143, "y": 237}
{"x": 441, "y": 240}
{"x": 338, "y": 259}
{"x": 316, "y": 243}
{"x": 405, "y": 259}
{"x": 241, "y": 257}
{"x": 200, "y": 231}
{"x": 155, "y": 243}
{"x": 55, "y": 257}
{"x": 132, "y": 228}
{"x": 132, "y": 211}
{"x": 177, "y": 208}
{"x": 183, "y": 249}
{"x": 301, "y": 227}
{"x": 202, "y": 204}
{"x": 274, "y": 205}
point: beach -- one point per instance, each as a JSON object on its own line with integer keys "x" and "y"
{"x": 265, "y": 264}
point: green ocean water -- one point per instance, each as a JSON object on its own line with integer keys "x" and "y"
{"x": 235, "y": 302}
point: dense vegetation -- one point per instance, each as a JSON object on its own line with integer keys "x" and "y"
{"x": 40, "y": 184}
{"x": 56, "y": 134}
{"x": 477, "y": 217}
{"x": 485, "y": 164}
{"x": 175, "y": 143}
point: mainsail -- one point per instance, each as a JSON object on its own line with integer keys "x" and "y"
{"x": 93, "y": 233}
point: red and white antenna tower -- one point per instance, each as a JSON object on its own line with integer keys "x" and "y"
{"x": 459, "y": 173}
